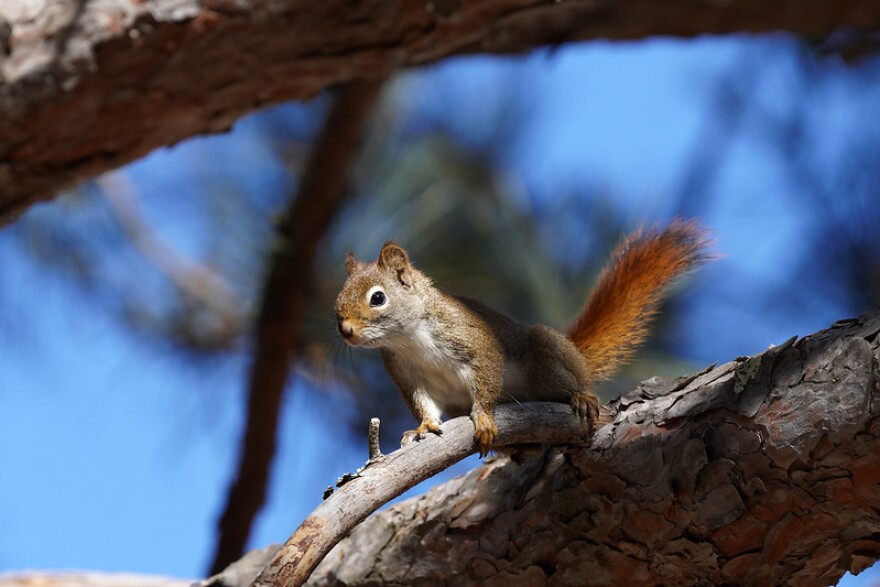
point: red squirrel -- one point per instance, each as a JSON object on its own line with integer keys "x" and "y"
{"x": 454, "y": 355}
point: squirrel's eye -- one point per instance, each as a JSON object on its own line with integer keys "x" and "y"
{"x": 377, "y": 299}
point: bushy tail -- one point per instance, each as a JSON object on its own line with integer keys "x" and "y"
{"x": 619, "y": 312}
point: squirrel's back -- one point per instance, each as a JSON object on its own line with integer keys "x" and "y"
{"x": 619, "y": 311}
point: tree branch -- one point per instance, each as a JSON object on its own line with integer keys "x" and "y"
{"x": 287, "y": 288}
{"x": 198, "y": 283}
{"x": 765, "y": 471}
{"x": 405, "y": 468}
{"x": 86, "y": 86}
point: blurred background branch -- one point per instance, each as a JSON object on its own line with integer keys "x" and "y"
{"x": 287, "y": 288}
{"x": 212, "y": 315}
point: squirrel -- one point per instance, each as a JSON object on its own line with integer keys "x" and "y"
{"x": 454, "y": 355}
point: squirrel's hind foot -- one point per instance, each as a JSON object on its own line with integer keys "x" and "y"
{"x": 485, "y": 431}
{"x": 586, "y": 406}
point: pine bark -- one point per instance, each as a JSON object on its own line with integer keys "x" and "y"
{"x": 763, "y": 471}
{"x": 88, "y": 85}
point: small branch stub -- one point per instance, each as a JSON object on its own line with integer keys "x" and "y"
{"x": 373, "y": 439}
{"x": 375, "y": 456}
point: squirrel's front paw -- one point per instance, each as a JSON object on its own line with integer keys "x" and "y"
{"x": 421, "y": 432}
{"x": 586, "y": 406}
{"x": 485, "y": 431}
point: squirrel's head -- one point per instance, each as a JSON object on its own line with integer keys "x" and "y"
{"x": 380, "y": 300}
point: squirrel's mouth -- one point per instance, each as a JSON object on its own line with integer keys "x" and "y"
{"x": 350, "y": 337}
{"x": 356, "y": 334}
{"x": 360, "y": 341}
{"x": 353, "y": 337}
{"x": 353, "y": 340}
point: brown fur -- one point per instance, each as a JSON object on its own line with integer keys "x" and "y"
{"x": 455, "y": 355}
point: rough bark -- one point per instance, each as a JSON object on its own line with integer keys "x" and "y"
{"x": 763, "y": 471}
{"x": 87, "y": 85}
{"x": 286, "y": 292}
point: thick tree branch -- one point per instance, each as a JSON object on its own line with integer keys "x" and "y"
{"x": 762, "y": 471}
{"x": 87, "y": 85}
{"x": 286, "y": 292}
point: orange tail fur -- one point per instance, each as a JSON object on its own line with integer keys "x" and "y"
{"x": 619, "y": 312}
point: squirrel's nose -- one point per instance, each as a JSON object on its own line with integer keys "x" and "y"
{"x": 345, "y": 330}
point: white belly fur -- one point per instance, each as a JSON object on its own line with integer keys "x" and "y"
{"x": 446, "y": 382}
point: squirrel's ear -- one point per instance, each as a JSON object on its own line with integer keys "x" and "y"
{"x": 393, "y": 258}
{"x": 351, "y": 264}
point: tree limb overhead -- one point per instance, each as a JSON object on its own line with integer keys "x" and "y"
{"x": 88, "y": 85}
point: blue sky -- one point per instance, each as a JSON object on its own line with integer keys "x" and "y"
{"x": 124, "y": 456}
